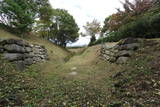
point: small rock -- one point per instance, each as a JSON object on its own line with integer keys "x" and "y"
{"x": 133, "y": 46}
{"x": 73, "y": 73}
{"x": 74, "y": 68}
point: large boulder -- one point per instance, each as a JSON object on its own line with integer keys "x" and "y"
{"x": 14, "y": 48}
{"x": 126, "y": 53}
{"x": 13, "y": 56}
{"x": 1, "y": 49}
{"x": 15, "y": 41}
{"x": 28, "y": 49}
{"x": 122, "y": 60}
{"x": 133, "y": 46}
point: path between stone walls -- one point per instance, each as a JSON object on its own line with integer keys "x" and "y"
{"x": 24, "y": 54}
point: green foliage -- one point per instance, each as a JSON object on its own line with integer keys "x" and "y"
{"x": 138, "y": 19}
{"x": 132, "y": 10}
{"x": 65, "y": 29}
{"x": 45, "y": 10}
{"x": 19, "y": 14}
{"x": 105, "y": 27}
{"x": 45, "y": 22}
{"x": 137, "y": 28}
{"x": 109, "y": 38}
{"x": 144, "y": 26}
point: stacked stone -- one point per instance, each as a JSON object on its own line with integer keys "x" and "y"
{"x": 40, "y": 53}
{"x": 121, "y": 52}
{"x": 22, "y": 53}
{"x": 108, "y": 52}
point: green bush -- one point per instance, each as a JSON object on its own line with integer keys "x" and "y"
{"x": 137, "y": 28}
{"x": 111, "y": 37}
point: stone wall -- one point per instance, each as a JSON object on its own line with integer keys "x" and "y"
{"x": 122, "y": 51}
{"x": 22, "y": 53}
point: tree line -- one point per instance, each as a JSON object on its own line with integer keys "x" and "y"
{"x": 137, "y": 19}
{"x": 38, "y": 16}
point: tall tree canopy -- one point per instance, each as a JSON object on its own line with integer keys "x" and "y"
{"x": 45, "y": 15}
{"x": 65, "y": 29}
{"x": 93, "y": 28}
{"x": 18, "y": 14}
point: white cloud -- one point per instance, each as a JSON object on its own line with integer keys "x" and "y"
{"x": 87, "y": 10}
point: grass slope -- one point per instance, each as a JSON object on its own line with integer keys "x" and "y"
{"x": 55, "y": 52}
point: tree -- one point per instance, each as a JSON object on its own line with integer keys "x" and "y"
{"x": 65, "y": 29}
{"x": 140, "y": 18}
{"x": 93, "y": 28}
{"x": 137, "y": 6}
{"x": 18, "y": 14}
{"x": 45, "y": 14}
{"x": 132, "y": 10}
{"x": 105, "y": 26}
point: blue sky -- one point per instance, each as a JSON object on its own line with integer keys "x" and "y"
{"x": 87, "y": 10}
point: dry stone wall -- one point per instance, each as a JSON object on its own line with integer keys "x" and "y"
{"x": 122, "y": 51}
{"x": 22, "y": 53}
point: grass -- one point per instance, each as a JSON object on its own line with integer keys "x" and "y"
{"x": 55, "y": 52}
{"x": 68, "y": 80}
{"x": 134, "y": 85}
{"x": 51, "y": 83}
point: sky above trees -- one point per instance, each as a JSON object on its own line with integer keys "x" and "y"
{"x": 87, "y": 10}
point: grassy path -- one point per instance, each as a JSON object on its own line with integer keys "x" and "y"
{"x": 81, "y": 81}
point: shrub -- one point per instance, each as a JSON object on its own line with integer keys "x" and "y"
{"x": 137, "y": 28}
{"x": 109, "y": 38}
